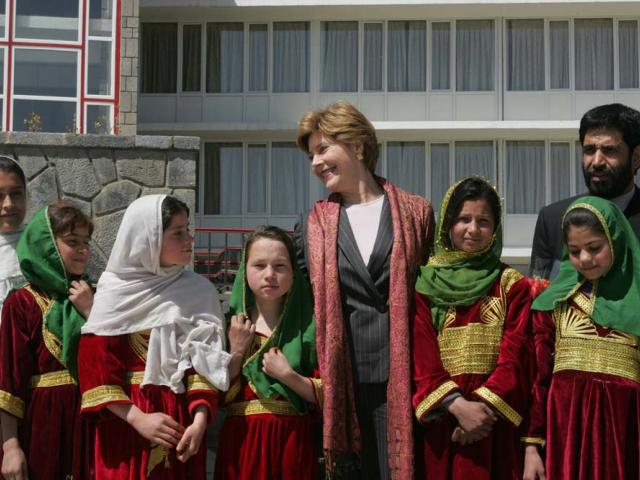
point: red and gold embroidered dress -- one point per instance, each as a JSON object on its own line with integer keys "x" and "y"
{"x": 482, "y": 352}
{"x": 586, "y": 394}
{"x": 36, "y": 388}
{"x": 112, "y": 371}
{"x": 266, "y": 438}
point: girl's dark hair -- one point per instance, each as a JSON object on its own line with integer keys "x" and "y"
{"x": 9, "y": 165}
{"x": 472, "y": 188}
{"x": 66, "y": 217}
{"x": 170, "y": 207}
{"x": 581, "y": 217}
{"x": 272, "y": 233}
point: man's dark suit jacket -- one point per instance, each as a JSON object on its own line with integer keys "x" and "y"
{"x": 546, "y": 251}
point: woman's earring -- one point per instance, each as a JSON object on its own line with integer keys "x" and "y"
{"x": 359, "y": 157}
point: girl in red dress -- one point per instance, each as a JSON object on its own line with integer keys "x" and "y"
{"x": 39, "y": 334}
{"x": 152, "y": 351}
{"x": 471, "y": 344}
{"x": 269, "y": 428}
{"x": 586, "y": 411}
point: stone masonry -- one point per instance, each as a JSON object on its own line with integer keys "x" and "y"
{"x": 128, "y": 106}
{"x": 103, "y": 174}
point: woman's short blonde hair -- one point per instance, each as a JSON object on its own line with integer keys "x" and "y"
{"x": 343, "y": 123}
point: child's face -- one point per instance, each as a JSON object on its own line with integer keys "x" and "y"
{"x": 74, "y": 249}
{"x": 472, "y": 229}
{"x": 589, "y": 252}
{"x": 269, "y": 271}
{"x": 13, "y": 202}
{"x": 177, "y": 242}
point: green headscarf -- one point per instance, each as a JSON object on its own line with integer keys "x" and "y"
{"x": 295, "y": 335}
{"x": 617, "y": 294}
{"x": 42, "y": 266}
{"x": 454, "y": 278}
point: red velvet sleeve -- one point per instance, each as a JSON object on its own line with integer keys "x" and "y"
{"x": 544, "y": 336}
{"x": 201, "y": 392}
{"x": 432, "y": 381}
{"x": 17, "y": 354}
{"x": 508, "y": 387}
{"x": 102, "y": 372}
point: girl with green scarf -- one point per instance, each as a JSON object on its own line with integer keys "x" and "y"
{"x": 586, "y": 408}
{"x": 39, "y": 336}
{"x": 471, "y": 343}
{"x": 269, "y": 428}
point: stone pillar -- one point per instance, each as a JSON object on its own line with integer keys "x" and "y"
{"x": 129, "y": 38}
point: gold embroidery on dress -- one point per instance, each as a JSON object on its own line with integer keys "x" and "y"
{"x": 53, "y": 344}
{"x": 139, "y": 343}
{"x": 157, "y": 455}
{"x": 434, "y": 398}
{"x": 580, "y": 347}
{"x": 474, "y": 348}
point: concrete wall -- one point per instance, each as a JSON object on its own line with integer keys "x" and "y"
{"x": 103, "y": 174}
{"x": 129, "y": 34}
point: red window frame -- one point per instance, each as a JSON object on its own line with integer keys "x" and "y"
{"x": 10, "y": 43}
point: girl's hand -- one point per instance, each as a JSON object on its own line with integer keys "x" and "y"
{"x": 276, "y": 365}
{"x": 158, "y": 428}
{"x": 192, "y": 438}
{"x": 241, "y": 332}
{"x": 475, "y": 418}
{"x": 533, "y": 464}
{"x": 14, "y": 462}
{"x": 81, "y": 296}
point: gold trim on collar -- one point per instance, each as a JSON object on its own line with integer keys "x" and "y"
{"x": 499, "y": 404}
{"x": 53, "y": 343}
{"x": 11, "y": 404}
{"x": 52, "y": 379}
{"x": 262, "y": 406}
{"x": 434, "y": 398}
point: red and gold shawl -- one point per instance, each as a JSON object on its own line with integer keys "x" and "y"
{"x": 413, "y": 227}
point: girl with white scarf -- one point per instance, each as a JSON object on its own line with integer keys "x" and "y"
{"x": 152, "y": 352}
{"x": 13, "y": 203}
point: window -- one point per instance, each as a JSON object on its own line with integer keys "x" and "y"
{"x": 191, "y": 57}
{"x": 594, "y": 54}
{"x": 406, "y": 165}
{"x": 560, "y": 171}
{"x": 525, "y": 176}
{"x": 339, "y": 72}
{"x": 223, "y": 179}
{"x": 559, "y": 54}
{"x": 290, "y": 192}
{"x": 475, "y": 55}
{"x": 225, "y": 47}
{"x": 474, "y": 158}
{"x": 258, "y": 57}
{"x": 291, "y": 57}
{"x": 440, "y": 173}
{"x": 53, "y": 72}
{"x": 440, "y": 56}
{"x": 628, "y": 53}
{"x": 158, "y": 58}
{"x": 525, "y": 55}
{"x": 47, "y": 20}
{"x": 373, "y": 57}
{"x": 407, "y": 56}
{"x": 274, "y": 194}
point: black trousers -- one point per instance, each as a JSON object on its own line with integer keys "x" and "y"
{"x": 371, "y": 406}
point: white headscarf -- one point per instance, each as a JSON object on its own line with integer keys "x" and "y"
{"x": 182, "y": 308}
{"x": 10, "y": 274}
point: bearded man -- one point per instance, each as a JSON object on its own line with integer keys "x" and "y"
{"x": 610, "y": 139}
